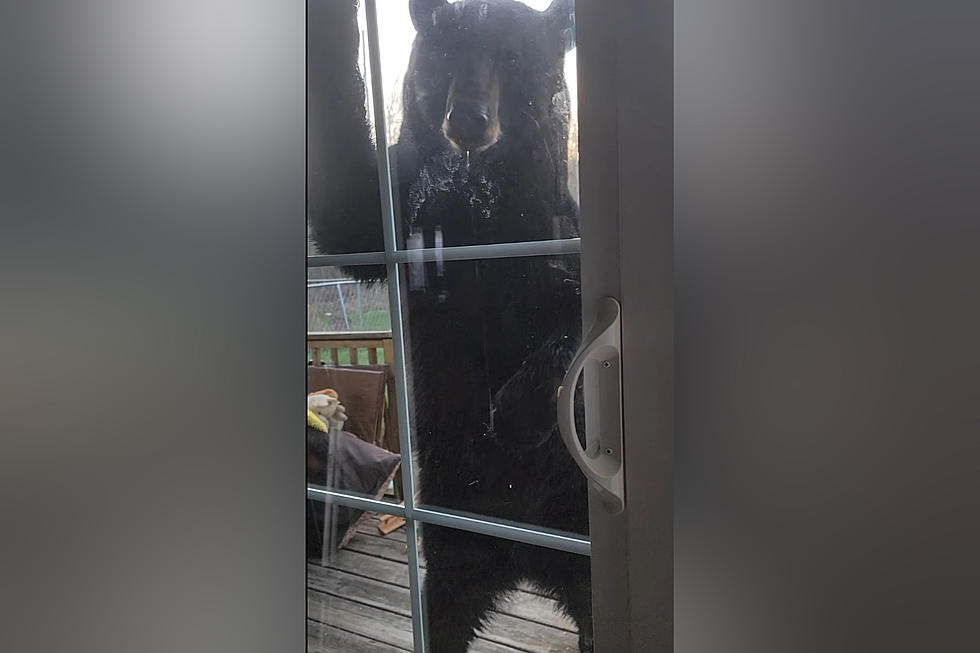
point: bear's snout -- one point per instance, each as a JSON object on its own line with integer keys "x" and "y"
{"x": 468, "y": 123}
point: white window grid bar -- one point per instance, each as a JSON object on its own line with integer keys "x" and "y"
{"x": 391, "y": 257}
{"x": 537, "y": 536}
{"x": 420, "y": 642}
{"x": 458, "y": 253}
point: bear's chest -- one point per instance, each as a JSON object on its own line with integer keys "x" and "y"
{"x": 479, "y": 320}
{"x": 485, "y": 203}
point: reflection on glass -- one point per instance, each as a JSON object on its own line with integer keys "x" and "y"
{"x": 352, "y": 424}
{"x": 358, "y": 600}
{"x": 488, "y": 345}
{"x": 486, "y": 590}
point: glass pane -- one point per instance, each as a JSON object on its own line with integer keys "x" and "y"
{"x": 347, "y": 300}
{"x": 488, "y": 343}
{"x": 495, "y": 592}
{"x": 352, "y": 434}
{"x": 358, "y": 599}
{"x": 343, "y": 189}
{"x": 480, "y": 114}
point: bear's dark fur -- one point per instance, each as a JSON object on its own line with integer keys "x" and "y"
{"x": 487, "y": 341}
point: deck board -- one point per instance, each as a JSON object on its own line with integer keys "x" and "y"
{"x": 359, "y": 602}
{"x": 364, "y": 620}
{"x": 366, "y": 590}
{"x": 522, "y": 604}
{"x": 384, "y": 546}
{"x": 321, "y": 638}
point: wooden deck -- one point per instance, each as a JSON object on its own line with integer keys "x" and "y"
{"x": 359, "y": 603}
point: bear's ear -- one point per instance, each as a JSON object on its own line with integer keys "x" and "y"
{"x": 560, "y": 15}
{"x": 422, "y": 13}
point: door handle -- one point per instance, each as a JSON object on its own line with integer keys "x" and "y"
{"x": 602, "y": 458}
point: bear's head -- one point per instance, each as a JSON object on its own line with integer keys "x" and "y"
{"x": 485, "y": 72}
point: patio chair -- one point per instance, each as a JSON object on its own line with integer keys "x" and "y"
{"x": 337, "y": 461}
{"x": 362, "y": 392}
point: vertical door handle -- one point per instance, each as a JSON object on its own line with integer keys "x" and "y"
{"x": 602, "y": 458}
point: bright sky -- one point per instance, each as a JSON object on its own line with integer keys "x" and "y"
{"x": 397, "y": 33}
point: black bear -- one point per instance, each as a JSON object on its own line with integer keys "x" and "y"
{"x": 481, "y": 158}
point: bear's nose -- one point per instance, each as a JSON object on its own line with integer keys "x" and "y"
{"x": 468, "y": 122}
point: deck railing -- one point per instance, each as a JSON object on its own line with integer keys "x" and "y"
{"x": 349, "y": 348}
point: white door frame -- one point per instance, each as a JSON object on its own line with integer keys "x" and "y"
{"x": 625, "y": 68}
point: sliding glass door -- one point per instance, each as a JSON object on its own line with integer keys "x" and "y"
{"x": 466, "y": 463}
